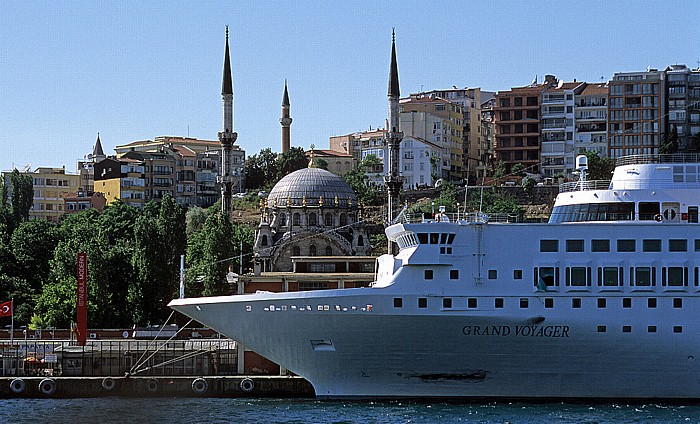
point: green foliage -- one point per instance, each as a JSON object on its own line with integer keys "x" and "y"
{"x": 669, "y": 143}
{"x": 321, "y": 163}
{"x": 499, "y": 170}
{"x": 528, "y": 184}
{"x": 290, "y": 161}
{"x": 599, "y": 168}
{"x": 517, "y": 169}
{"x": 22, "y": 196}
{"x": 261, "y": 169}
{"x": 366, "y": 192}
{"x": 33, "y": 243}
{"x": 209, "y": 251}
{"x": 36, "y": 323}
{"x": 195, "y": 217}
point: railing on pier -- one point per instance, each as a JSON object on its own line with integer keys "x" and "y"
{"x": 118, "y": 357}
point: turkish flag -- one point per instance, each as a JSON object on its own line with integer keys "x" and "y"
{"x": 6, "y": 309}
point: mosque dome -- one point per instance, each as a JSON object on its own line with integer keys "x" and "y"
{"x": 310, "y": 187}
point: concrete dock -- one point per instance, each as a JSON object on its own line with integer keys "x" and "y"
{"x": 159, "y": 386}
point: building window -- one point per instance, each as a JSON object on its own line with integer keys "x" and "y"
{"x": 454, "y": 274}
{"x": 549, "y": 245}
{"x": 422, "y": 302}
{"x": 428, "y": 274}
{"x": 576, "y": 302}
{"x": 447, "y": 302}
{"x": 398, "y": 302}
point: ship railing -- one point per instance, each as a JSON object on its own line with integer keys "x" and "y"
{"x": 462, "y": 217}
{"x": 584, "y": 185}
{"x": 659, "y": 158}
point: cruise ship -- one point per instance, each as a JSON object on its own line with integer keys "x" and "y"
{"x": 602, "y": 301}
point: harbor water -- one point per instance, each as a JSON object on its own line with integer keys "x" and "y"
{"x": 200, "y": 410}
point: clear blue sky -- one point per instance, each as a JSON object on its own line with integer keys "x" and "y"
{"x": 133, "y": 70}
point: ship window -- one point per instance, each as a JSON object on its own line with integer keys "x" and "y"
{"x": 643, "y": 276}
{"x": 545, "y": 277}
{"x": 578, "y": 276}
{"x": 680, "y": 245}
{"x": 524, "y": 303}
{"x": 674, "y": 276}
{"x": 549, "y": 245}
{"x": 574, "y": 245}
{"x": 443, "y": 238}
{"x": 422, "y": 302}
{"x": 450, "y": 238}
{"x": 601, "y": 329}
{"x": 434, "y": 238}
{"x": 626, "y": 328}
{"x": 548, "y": 302}
{"x": 693, "y": 214}
{"x": 471, "y": 302}
{"x": 423, "y": 238}
{"x": 600, "y": 245}
{"x": 651, "y": 302}
{"x": 609, "y": 276}
{"x": 677, "y": 329}
{"x": 697, "y": 245}
{"x": 677, "y": 302}
{"x": 626, "y": 245}
{"x": 651, "y": 329}
{"x": 498, "y": 303}
{"x": 454, "y": 274}
{"x": 602, "y": 302}
{"x": 648, "y": 210}
{"x": 626, "y": 302}
{"x": 398, "y": 302}
{"x": 651, "y": 245}
{"x": 493, "y": 274}
{"x": 576, "y": 302}
{"x": 518, "y": 274}
{"x": 447, "y": 302}
{"x": 428, "y": 274}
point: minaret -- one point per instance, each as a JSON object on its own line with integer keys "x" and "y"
{"x": 285, "y": 120}
{"x": 392, "y": 179}
{"x": 226, "y": 137}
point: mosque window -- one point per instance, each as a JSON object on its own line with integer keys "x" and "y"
{"x": 296, "y": 219}
{"x": 312, "y": 250}
{"x": 360, "y": 241}
{"x": 264, "y": 241}
{"x": 312, "y": 219}
{"x": 343, "y": 219}
{"x": 296, "y": 251}
{"x": 329, "y": 219}
{"x": 329, "y": 251}
{"x": 283, "y": 219}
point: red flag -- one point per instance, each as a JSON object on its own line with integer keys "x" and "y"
{"x": 6, "y": 309}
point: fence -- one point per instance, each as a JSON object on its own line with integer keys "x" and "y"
{"x": 118, "y": 357}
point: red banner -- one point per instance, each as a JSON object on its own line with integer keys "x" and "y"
{"x": 6, "y": 309}
{"x": 82, "y": 298}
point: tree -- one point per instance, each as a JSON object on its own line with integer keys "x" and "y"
{"x": 320, "y": 163}
{"x": 669, "y": 144}
{"x": 499, "y": 170}
{"x": 33, "y": 244}
{"x": 195, "y": 217}
{"x": 599, "y": 168}
{"x": 290, "y": 161}
{"x": 366, "y": 192}
{"x": 517, "y": 169}
{"x": 22, "y": 196}
{"x": 261, "y": 169}
{"x": 208, "y": 257}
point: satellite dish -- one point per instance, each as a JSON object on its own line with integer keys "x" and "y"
{"x": 26, "y": 167}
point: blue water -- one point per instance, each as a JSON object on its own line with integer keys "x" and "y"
{"x": 127, "y": 410}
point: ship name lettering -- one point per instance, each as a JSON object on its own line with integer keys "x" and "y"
{"x": 548, "y": 331}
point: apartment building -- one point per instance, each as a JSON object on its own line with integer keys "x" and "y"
{"x": 51, "y": 186}
{"x": 516, "y": 115}
{"x": 557, "y": 128}
{"x": 82, "y": 201}
{"x": 121, "y": 179}
{"x": 448, "y": 134}
{"x": 636, "y": 113}
{"x": 683, "y": 94}
{"x": 486, "y": 134}
{"x": 354, "y": 144}
{"x": 591, "y": 120}
{"x": 336, "y": 162}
